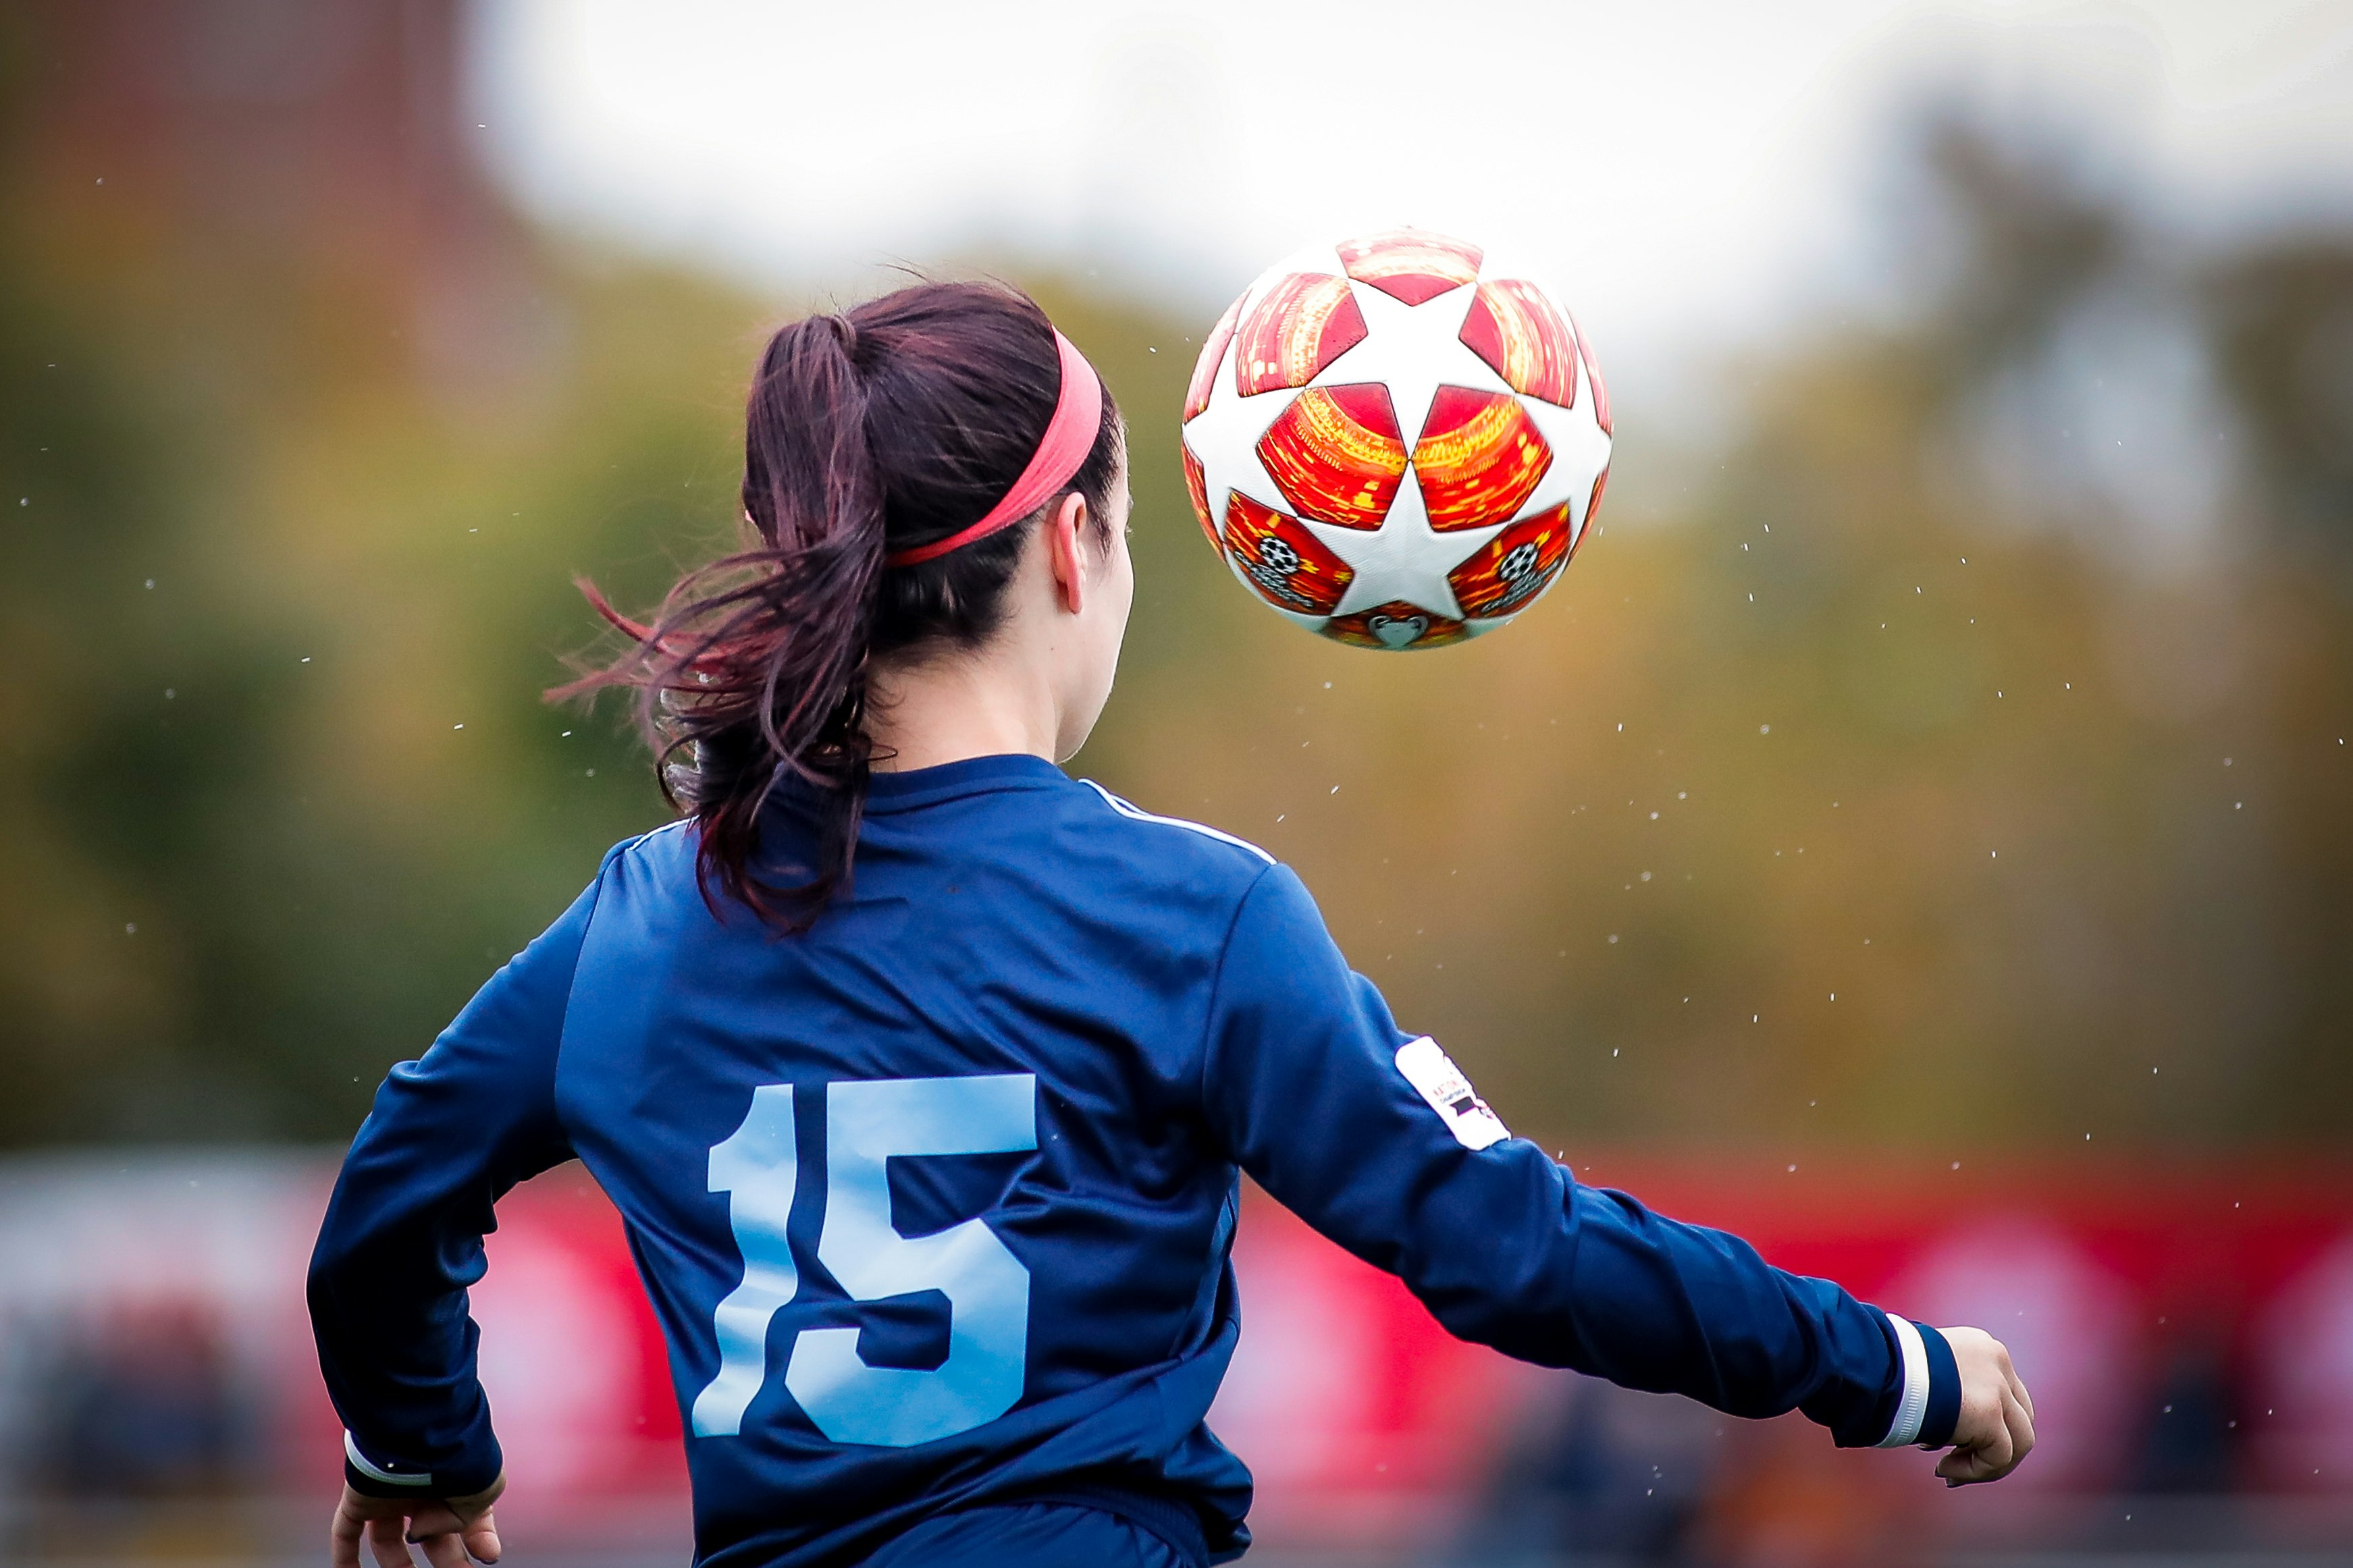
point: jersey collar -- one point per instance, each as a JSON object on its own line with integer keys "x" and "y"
{"x": 893, "y": 791}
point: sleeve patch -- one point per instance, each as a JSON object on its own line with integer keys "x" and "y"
{"x": 1438, "y": 1080}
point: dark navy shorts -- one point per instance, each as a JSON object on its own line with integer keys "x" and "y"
{"x": 1030, "y": 1535}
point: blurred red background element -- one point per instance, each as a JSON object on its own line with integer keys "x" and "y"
{"x": 2187, "y": 1329}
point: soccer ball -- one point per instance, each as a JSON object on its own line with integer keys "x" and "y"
{"x": 1304, "y": 475}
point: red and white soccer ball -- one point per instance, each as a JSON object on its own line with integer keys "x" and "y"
{"x": 1397, "y": 441}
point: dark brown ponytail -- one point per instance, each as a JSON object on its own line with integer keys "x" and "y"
{"x": 889, "y": 427}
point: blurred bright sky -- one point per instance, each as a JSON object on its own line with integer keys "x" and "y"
{"x": 1698, "y": 171}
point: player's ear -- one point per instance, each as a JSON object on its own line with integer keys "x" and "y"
{"x": 1068, "y": 555}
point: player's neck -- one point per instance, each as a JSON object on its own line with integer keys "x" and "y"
{"x": 987, "y": 703}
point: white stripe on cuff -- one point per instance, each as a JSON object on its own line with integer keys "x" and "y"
{"x": 378, "y": 1473}
{"x": 1904, "y": 1430}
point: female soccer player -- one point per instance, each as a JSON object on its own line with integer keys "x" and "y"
{"x": 923, "y": 1074}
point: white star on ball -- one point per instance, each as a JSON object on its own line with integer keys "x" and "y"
{"x": 1413, "y": 349}
{"x": 1224, "y": 437}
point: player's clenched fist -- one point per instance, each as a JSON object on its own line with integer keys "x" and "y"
{"x": 1996, "y": 1429}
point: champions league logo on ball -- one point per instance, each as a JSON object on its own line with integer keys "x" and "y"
{"x": 1397, "y": 441}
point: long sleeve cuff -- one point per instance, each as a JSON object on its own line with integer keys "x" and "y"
{"x": 376, "y": 1477}
{"x": 1930, "y": 1404}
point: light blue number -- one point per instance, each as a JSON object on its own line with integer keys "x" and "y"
{"x": 755, "y": 1167}
{"x": 987, "y": 1288}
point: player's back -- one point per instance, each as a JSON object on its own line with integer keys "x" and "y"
{"x": 925, "y": 1195}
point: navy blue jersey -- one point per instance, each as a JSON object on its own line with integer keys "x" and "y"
{"x": 935, "y": 1200}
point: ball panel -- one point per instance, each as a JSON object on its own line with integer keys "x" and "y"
{"x": 1395, "y": 626}
{"x": 1314, "y": 260}
{"x": 1197, "y": 485}
{"x": 1213, "y": 354}
{"x": 1337, "y": 455}
{"x": 1480, "y": 457}
{"x": 1299, "y": 326}
{"x": 1410, "y": 264}
{"x": 1592, "y": 504}
{"x": 1507, "y": 572}
{"x": 1525, "y": 339}
{"x": 1288, "y": 566}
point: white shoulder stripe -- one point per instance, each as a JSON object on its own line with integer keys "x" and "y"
{"x": 647, "y": 836}
{"x": 1138, "y": 814}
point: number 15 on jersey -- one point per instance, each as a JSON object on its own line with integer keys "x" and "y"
{"x": 987, "y": 1288}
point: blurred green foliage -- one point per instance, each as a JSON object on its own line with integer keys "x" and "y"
{"x": 1855, "y": 784}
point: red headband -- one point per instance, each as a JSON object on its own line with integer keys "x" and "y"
{"x": 1069, "y": 436}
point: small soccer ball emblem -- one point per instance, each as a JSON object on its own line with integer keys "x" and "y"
{"x": 1397, "y": 441}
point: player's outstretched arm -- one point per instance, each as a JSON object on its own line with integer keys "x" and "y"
{"x": 1374, "y": 1139}
{"x": 1996, "y": 1427}
{"x": 448, "y": 1530}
